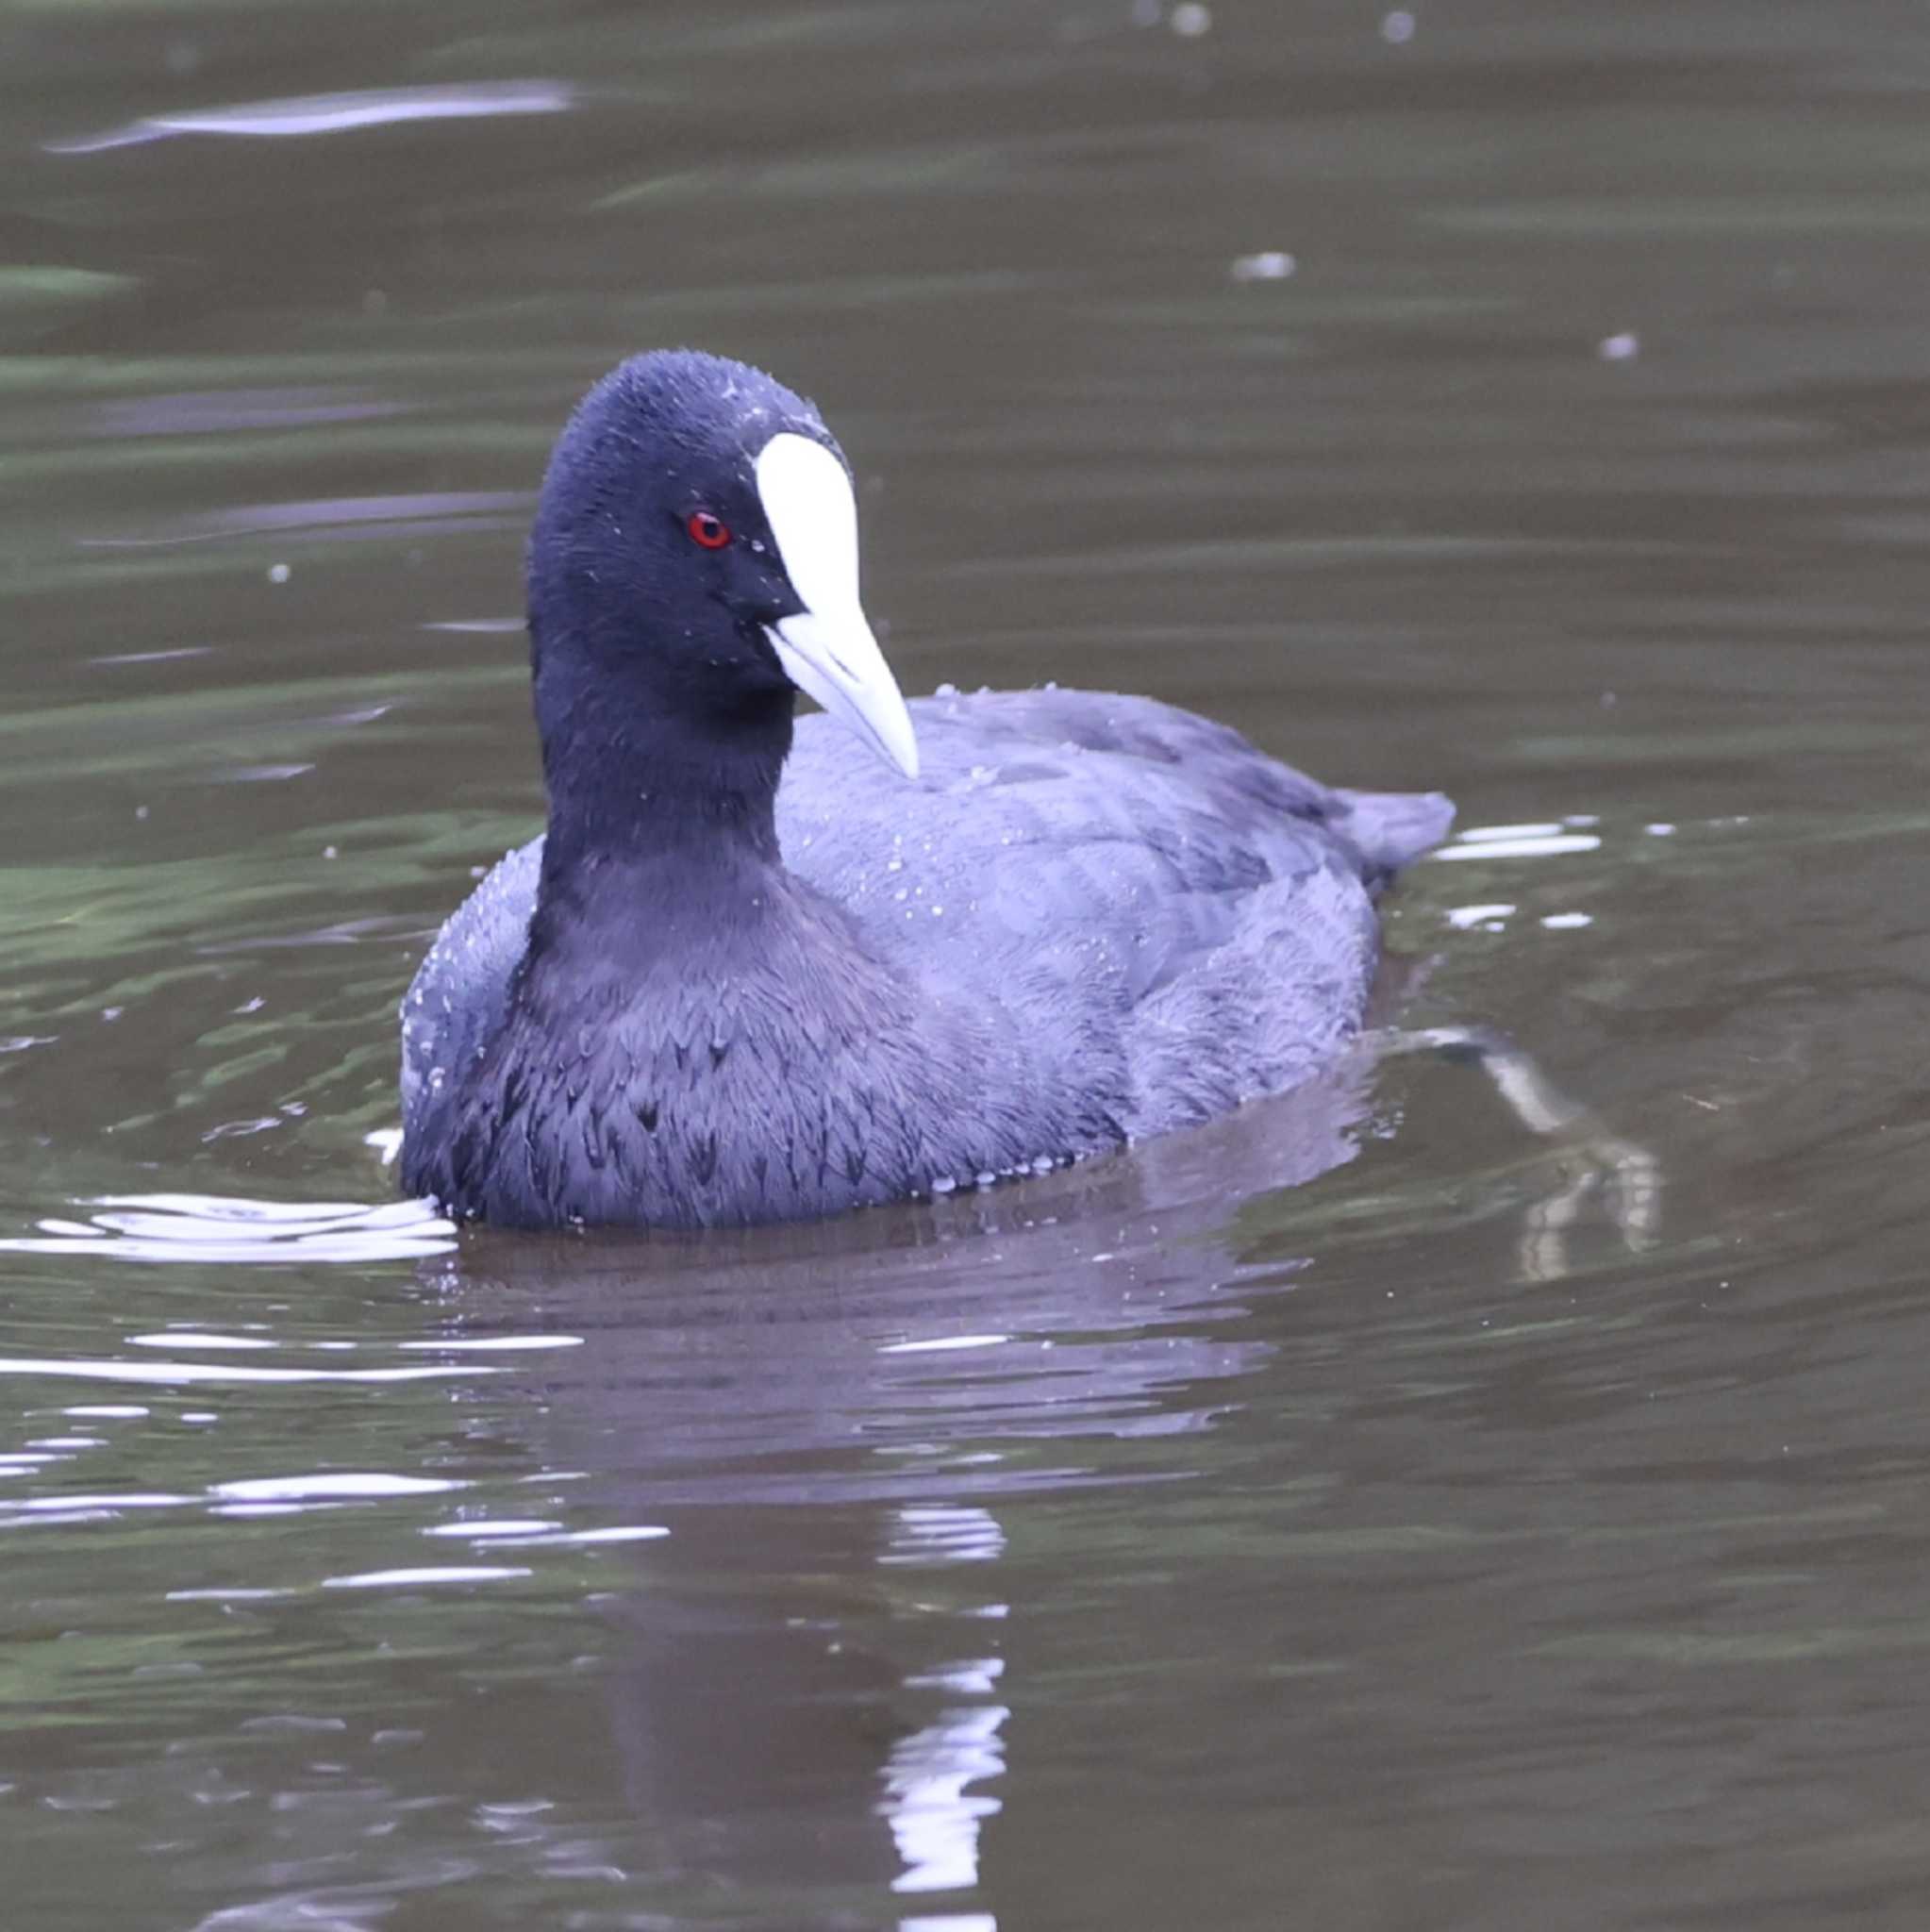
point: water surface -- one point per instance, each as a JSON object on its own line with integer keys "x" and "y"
{"x": 1330, "y": 1519}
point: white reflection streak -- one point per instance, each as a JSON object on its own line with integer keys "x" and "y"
{"x": 335, "y": 113}
{"x": 212, "y": 1228}
{"x": 337, "y": 1485}
{"x": 945, "y": 1533}
{"x": 943, "y": 1345}
{"x": 165, "y": 1375}
{"x": 933, "y": 1817}
{"x": 426, "y": 1576}
{"x": 1552, "y": 846}
{"x": 933, "y": 1820}
{"x": 1478, "y": 835}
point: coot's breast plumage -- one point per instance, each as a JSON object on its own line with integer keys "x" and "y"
{"x": 1087, "y": 918}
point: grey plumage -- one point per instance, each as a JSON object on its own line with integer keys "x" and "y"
{"x": 1094, "y": 918}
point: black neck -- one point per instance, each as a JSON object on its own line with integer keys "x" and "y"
{"x": 645, "y": 777}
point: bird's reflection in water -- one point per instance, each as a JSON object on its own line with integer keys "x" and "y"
{"x": 806, "y": 1680}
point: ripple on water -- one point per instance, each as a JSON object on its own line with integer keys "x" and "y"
{"x": 308, "y": 114}
{"x": 213, "y": 1227}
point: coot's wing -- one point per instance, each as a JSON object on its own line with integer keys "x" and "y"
{"x": 1076, "y": 832}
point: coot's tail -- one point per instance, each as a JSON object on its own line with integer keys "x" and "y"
{"x": 1392, "y": 829}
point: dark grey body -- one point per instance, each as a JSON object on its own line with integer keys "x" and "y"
{"x": 1092, "y": 919}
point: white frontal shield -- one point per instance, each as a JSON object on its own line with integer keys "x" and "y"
{"x": 827, "y": 649}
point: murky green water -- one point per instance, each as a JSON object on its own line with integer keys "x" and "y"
{"x": 1528, "y": 403}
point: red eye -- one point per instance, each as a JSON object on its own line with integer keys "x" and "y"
{"x": 713, "y": 532}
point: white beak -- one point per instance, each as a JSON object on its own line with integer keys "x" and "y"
{"x": 827, "y": 649}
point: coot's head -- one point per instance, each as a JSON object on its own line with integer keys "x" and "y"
{"x": 695, "y": 560}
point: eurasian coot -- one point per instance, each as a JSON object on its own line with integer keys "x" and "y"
{"x": 755, "y": 972}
